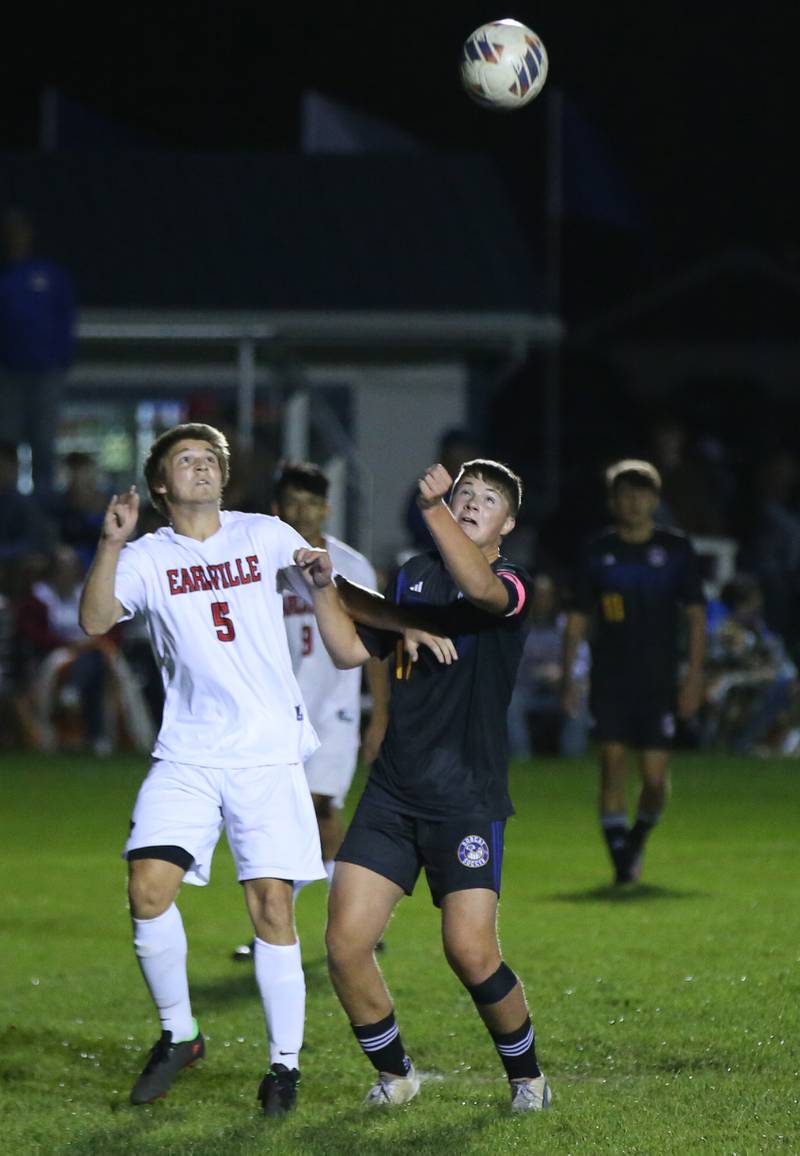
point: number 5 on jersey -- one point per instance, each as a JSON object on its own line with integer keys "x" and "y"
{"x": 226, "y": 631}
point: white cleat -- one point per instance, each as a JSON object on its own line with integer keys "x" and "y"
{"x": 391, "y": 1090}
{"x": 530, "y": 1095}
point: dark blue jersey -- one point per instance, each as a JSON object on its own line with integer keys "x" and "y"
{"x": 445, "y": 752}
{"x": 634, "y": 592}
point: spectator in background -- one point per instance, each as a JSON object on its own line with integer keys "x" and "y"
{"x": 57, "y": 665}
{"x": 751, "y": 680}
{"x": 536, "y": 702}
{"x": 37, "y": 337}
{"x": 455, "y": 447}
{"x": 772, "y": 548}
{"x": 78, "y": 511}
{"x": 24, "y": 530}
{"x": 689, "y": 500}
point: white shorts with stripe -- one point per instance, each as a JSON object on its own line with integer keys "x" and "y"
{"x": 267, "y": 814}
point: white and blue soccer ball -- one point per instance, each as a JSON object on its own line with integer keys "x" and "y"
{"x": 503, "y": 65}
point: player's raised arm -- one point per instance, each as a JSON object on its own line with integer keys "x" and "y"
{"x": 468, "y": 536}
{"x": 100, "y": 609}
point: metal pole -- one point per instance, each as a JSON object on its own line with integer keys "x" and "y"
{"x": 551, "y": 424}
{"x": 246, "y": 391}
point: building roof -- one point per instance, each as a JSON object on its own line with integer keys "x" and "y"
{"x": 237, "y": 231}
{"x": 741, "y": 295}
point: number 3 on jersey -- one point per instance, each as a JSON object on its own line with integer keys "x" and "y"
{"x": 306, "y": 640}
{"x": 226, "y": 631}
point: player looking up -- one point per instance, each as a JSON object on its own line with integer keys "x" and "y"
{"x": 437, "y": 796}
{"x": 232, "y": 744}
{"x": 635, "y": 580}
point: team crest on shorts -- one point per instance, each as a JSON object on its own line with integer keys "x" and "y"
{"x": 473, "y": 851}
{"x": 668, "y": 726}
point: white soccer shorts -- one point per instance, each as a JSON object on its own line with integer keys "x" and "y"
{"x": 267, "y": 814}
{"x": 330, "y": 769}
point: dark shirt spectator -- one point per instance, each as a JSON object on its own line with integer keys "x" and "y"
{"x": 23, "y": 527}
{"x": 37, "y": 336}
{"x": 77, "y": 512}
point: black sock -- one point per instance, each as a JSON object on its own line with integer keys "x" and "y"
{"x": 615, "y": 833}
{"x": 517, "y": 1050}
{"x": 639, "y": 831}
{"x": 382, "y": 1046}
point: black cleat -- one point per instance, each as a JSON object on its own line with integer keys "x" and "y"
{"x": 164, "y": 1062}
{"x": 278, "y": 1090}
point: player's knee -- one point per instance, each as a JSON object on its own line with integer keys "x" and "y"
{"x": 346, "y": 948}
{"x": 472, "y": 961}
{"x": 271, "y": 907}
{"x": 148, "y": 894}
{"x": 494, "y": 988}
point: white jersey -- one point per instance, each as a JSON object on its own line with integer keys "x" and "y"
{"x": 327, "y": 691}
{"x": 214, "y": 615}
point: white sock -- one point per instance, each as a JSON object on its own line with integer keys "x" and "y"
{"x": 282, "y": 986}
{"x": 160, "y": 946}
{"x": 329, "y": 865}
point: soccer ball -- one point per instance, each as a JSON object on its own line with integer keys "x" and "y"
{"x": 503, "y": 65}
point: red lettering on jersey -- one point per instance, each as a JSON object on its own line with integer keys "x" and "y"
{"x": 245, "y": 578}
{"x": 294, "y": 605}
{"x": 229, "y": 578}
{"x": 199, "y": 578}
{"x": 213, "y": 575}
{"x": 188, "y": 585}
{"x": 252, "y": 563}
{"x": 172, "y": 579}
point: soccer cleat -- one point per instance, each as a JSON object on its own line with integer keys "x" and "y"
{"x": 631, "y": 872}
{"x": 278, "y": 1090}
{"x": 391, "y": 1090}
{"x": 530, "y": 1095}
{"x": 163, "y": 1064}
{"x": 244, "y": 952}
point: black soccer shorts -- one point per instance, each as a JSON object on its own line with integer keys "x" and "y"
{"x": 634, "y": 716}
{"x": 456, "y": 854}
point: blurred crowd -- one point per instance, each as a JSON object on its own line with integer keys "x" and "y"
{"x": 60, "y": 691}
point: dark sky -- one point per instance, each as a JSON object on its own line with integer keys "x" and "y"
{"x": 696, "y": 103}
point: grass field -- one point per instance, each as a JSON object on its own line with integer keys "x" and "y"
{"x": 667, "y": 1018}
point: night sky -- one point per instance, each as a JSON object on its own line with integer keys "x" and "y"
{"x": 696, "y": 109}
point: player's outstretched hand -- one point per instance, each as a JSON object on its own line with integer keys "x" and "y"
{"x": 443, "y": 649}
{"x": 315, "y": 566}
{"x": 120, "y": 516}
{"x": 434, "y": 486}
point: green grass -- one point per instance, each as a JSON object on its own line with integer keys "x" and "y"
{"x": 667, "y": 1018}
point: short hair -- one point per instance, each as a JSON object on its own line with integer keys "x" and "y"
{"x": 508, "y": 483}
{"x": 301, "y": 476}
{"x": 194, "y": 431}
{"x": 634, "y": 472}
